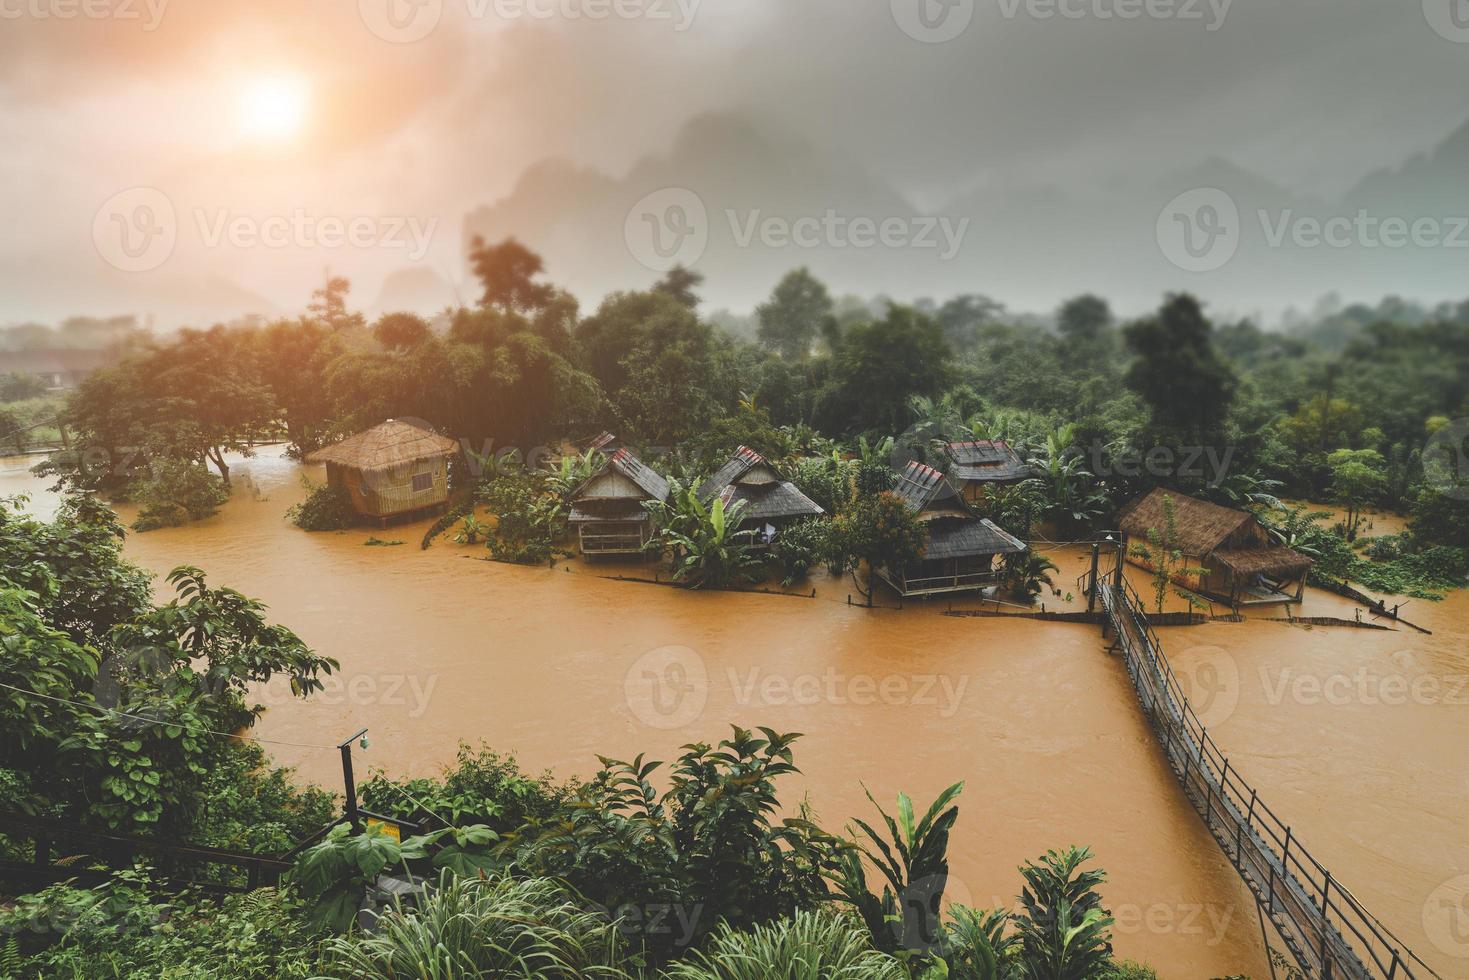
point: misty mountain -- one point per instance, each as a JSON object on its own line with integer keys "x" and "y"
{"x": 1022, "y": 242}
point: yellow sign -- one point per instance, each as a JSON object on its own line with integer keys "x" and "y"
{"x": 390, "y": 829}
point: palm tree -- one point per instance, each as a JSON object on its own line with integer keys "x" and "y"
{"x": 1069, "y": 487}
{"x": 1027, "y": 573}
{"x": 1248, "y": 489}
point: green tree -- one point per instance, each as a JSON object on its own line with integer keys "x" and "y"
{"x": 329, "y": 305}
{"x": 880, "y": 367}
{"x": 507, "y": 272}
{"x": 658, "y": 364}
{"x": 1178, "y": 372}
{"x": 1357, "y": 481}
{"x": 793, "y": 316}
{"x": 879, "y": 531}
{"x": 680, "y": 283}
{"x": 1085, "y": 326}
{"x": 400, "y": 331}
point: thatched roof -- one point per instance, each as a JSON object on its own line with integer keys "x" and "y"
{"x": 1202, "y": 526}
{"x": 986, "y": 461}
{"x": 1278, "y": 560}
{"x": 383, "y": 447}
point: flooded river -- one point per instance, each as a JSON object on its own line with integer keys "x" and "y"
{"x": 560, "y": 665}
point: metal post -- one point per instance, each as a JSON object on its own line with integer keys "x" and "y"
{"x": 1325, "y": 928}
{"x": 352, "y": 814}
{"x": 1091, "y": 592}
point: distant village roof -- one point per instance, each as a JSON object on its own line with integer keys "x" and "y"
{"x": 748, "y": 476}
{"x": 986, "y": 461}
{"x": 393, "y": 443}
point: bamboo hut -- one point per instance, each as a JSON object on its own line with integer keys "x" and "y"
{"x": 1242, "y": 565}
{"x": 607, "y": 510}
{"x": 770, "y": 502}
{"x": 959, "y": 546}
{"x": 392, "y": 470}
{"x": 979, "y": 466}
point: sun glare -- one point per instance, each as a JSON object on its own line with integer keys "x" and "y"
{"x": 273, "y": 108}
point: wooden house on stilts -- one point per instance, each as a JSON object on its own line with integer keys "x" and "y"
{"x": 978, "y": 467}
{"x": 1241, "y": 563}
{"x": 959, "y": 548}
{"x": 607, "y": 510}
{"x": 396, "y": 469}
{"x": 770, "y": 502}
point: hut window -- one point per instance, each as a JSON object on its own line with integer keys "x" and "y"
{"x": 422, "y": 482}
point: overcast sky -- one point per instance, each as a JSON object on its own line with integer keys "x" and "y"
{"x": 383, "y": 123}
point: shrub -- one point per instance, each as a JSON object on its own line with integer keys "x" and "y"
{"x": 798, "y": 547}
{"x": 482, "y": 787}
{"x": 826, "y": 480}
{"x": 1065, "y": 933}
{"x": 174, "y": 492}
{"x": 326, "y": 508}
{"x": 256, "y": 936}
{"x": 487, "y": 927}
{"x": 18, "y": 387}
{"x": 708, "y": 549}
{"x": 809, "y": 944}
{"x": 711, "y": 847}
{"x": 529, "y": 518}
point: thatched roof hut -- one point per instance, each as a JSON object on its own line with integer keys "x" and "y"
{"x": 959, "y": 545}
{"x": 1242, "y": 563}
{"x": 392, "y": 469}
{"x": 770, "y": 502}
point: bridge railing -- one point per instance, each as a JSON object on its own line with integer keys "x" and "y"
{"x": 1325, "y": 926}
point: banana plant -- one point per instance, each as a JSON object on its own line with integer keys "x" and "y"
{"x": 913, "y": 861}
{"x": 709, "y": 550}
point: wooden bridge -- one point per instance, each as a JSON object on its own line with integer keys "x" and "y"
{"x": 1325, "y": 928}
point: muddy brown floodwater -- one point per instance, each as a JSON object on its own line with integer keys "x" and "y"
{"x": 1041, "y": 724}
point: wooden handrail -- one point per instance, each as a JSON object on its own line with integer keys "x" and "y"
{"x": 1311, "y": 910}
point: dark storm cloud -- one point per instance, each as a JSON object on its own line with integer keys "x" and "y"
{"x": 1039, "y": 101}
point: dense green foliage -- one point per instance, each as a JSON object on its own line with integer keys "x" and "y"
{"x": 326, "y": 508}
{"x": 136, "y": 693}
